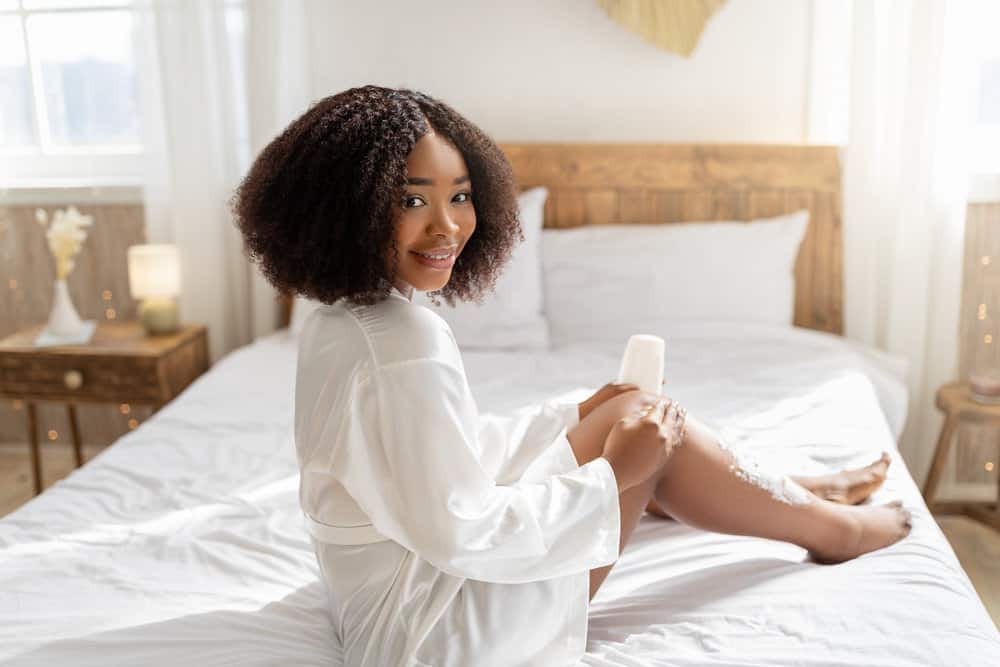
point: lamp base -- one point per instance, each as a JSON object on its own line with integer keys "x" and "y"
{"x": 159, "y": 316}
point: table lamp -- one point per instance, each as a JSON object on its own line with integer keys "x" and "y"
{"x": 154, "y": 276}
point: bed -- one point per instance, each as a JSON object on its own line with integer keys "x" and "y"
{"x": 183, "y": 541}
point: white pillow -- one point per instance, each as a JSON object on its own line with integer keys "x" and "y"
{"x": 511, "y": 317}
{"x": 607, "y": 282}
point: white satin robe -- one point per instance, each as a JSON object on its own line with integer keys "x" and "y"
{"x": 488, "y": 526}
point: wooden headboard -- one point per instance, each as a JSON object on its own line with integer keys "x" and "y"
{"x": 600, "y": 184}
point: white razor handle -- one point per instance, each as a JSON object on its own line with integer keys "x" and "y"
{"x": 642, "y": 363}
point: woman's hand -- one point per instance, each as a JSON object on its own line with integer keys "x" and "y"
{"x": 640, "y": 443}
{"x": 608, "y": 391}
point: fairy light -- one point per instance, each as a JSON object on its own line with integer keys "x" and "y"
{"x": 12, "y": 283}
{"x": 17, "y": 403}
{"x": 132, "y": 423}
{"x": 53, "y": 434}
{"x": 982, "y": 311}
{"x": 125, "y": 408}
{"x": 106, "y": 295}
{"x": 989, "y": 466}
{"x": 985, "y": 259}
{"x": 110, "y": 313}
{"x": 988, "y": 338}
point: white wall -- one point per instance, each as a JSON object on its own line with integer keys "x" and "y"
{"x": 561, "y": 70}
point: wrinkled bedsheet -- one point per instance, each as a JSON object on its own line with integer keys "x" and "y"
{"x": 183, "y": 542}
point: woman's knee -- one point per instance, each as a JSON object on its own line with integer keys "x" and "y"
{"x": 626, "y": 403}
{"x": 587, "y": 438}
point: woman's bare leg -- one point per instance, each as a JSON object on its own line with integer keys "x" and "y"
{"x": 702, "y": 485}
{"x": 849, "y": 487}
{"x": 587, "y": 440}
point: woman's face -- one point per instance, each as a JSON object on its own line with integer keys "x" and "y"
{"x": 435, "y": 217}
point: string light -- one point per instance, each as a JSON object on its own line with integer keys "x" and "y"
{"x": 988, "y": 338}
{"x": 989, "y": 466}
{"x": 982, "y": 311}
{"x": 132, "y": 423}
{"x": 18, "y": 403}
{"x": 12, "y": 283}
{"x": 985, "y": 259}
{"x": 110, "y": 313}
{"x": 106, "y": 295}
{"x": 53, "y": 434}
{"x": 124, "y": 408}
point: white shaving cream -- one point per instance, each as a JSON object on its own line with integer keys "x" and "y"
{"x": 781, "y": 487}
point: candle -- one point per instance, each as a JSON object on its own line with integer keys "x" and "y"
{"x": 985, "y": 388}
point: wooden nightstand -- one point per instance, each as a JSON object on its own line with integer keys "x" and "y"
{"x": 955, "y": 400}
{"x": 121, "y": 364}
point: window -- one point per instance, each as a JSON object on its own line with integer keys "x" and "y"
{"x": 986, "y": 117}
{"x": 69, "y": 112}
{"x": 985, "y": 140}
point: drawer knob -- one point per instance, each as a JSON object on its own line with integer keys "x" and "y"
{"x": 73, "y": 379}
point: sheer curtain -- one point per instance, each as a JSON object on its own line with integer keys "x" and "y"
{"x": 905, "y": 182}
{"x": 221, "y": 78}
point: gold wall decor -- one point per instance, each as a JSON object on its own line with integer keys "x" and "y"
{"x": 672, "y": 25}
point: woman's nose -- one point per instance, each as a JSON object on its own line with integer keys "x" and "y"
{"x": 443, "y": 224}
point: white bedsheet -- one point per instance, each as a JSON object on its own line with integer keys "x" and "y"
{"x": 183, "y": 542}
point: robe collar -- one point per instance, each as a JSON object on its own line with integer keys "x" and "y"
{"x": 396, "y": 292}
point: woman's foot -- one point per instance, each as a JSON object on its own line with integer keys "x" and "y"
{"x": 864, "y": 529}
{"x": 849, "y": 487}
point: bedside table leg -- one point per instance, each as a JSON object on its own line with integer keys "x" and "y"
{"x": 940, "y": 458}
{"x": 36, "y": 459}
{"x": 74, "y": 425}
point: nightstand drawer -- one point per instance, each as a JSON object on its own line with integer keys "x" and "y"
{"x": 55, "y": 377}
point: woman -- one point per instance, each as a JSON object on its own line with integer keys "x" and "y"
{"x": 445, "y": 537}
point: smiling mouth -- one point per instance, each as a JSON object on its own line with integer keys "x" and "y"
{"x": 435, "y": 255}
{"x": 437, "y": 260}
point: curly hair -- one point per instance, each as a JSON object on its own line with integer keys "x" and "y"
{"x": 316, "y": 210}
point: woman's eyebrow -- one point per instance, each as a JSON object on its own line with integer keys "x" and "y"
{"x": 416, "y": 180}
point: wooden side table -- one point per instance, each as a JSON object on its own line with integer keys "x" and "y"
{"x": 955, "y": 400}
{"x": 120, "y": 364}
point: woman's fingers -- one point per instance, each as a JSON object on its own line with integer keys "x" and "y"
{"x": 674, "y": 421}
{"x": 658, "y": 410}
{"x": 671, "y": 416}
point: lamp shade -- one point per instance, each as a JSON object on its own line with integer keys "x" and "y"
{"x": 154, "y": 271}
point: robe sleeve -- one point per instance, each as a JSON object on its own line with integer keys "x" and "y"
{"x": 419, "y": 479}
{"x": 513, "y": 443}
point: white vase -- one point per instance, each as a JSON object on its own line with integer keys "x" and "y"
{"x": 64, "y": 322}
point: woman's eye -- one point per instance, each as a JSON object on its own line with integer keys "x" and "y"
{"x": 412, "y": 202}
{"x": 462, "y": 197}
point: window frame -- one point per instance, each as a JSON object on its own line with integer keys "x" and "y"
{"x": 45, "y": 164}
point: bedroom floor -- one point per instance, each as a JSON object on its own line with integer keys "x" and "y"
{"x": 977, "y": 546}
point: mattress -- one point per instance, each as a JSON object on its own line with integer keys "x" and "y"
{"x": 183, "y": 541}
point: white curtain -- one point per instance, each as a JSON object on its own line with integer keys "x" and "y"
{"x": 906, "y": 175}
{"x": 221, "y": 78}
